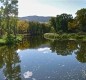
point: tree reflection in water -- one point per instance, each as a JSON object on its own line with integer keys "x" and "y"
{"x": 9, "y": 61}
{"x": 32, "y": 42}
{"x": 81, "y": 54}
{"x": 61, "y": 47}
{"x": 65, "y": 48}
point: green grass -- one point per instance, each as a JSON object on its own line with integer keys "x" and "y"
{"x": 65, "y": 36}
{"x": 4, "y": 40}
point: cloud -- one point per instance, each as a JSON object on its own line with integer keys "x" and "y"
{"x": 28, "y": 74}
{"x": 32, "y": 7}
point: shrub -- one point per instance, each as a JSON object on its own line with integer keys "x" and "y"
{"x": 10, "y": 39}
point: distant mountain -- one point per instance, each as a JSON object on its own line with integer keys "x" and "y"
{"x": 35, "y": 18}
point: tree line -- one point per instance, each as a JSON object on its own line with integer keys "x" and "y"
{"x": 66, "y": 22}
{"x": 11, "y": 26}
{"x": 32, "y": 28}
{"x": 60, "y": 23}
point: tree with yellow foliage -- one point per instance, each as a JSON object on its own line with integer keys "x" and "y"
{"x": 22, "y": 26}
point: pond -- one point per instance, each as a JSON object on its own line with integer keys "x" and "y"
{"x": 36, "y": 58}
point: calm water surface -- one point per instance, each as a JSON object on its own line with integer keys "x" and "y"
{"x": 36, "y": 58}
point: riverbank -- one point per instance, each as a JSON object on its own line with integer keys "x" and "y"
{"x": 5, "y": 41}
{"x": 65, "y": 36}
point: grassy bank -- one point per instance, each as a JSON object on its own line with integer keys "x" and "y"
{"x": 4, "y": 40}
{"x": 65, "y": 36}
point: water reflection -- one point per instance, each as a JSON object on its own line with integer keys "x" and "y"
{"x": 65, "y": 48}
{"x": 10, "y": 60}
{"x": 28, "y": 74}
{"x": 22, "y": 61}
{"x": 61, "y": 47}
{"x": 10, "y": 63}
{"x": 44, "y": 50}
{"x": 32, "y": 42}
{"x": 81, "y": 54}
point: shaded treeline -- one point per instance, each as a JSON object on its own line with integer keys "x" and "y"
{"x": 32, "y": 28}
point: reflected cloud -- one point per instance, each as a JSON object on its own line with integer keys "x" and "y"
{"x": 44, "y": 50}
{"x": 27, "y": 74}
{"x": 33, "y": 79}
{"x": 78, "y": 46}
{"x": 75, "y": 51}
{"x": 18, "y": 50}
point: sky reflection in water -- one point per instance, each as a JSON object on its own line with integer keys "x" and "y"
{"x": 39, "y": 59}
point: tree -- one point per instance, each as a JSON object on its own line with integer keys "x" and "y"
{"x": 22, "y": 26}
{"x": 10, "y": 14}
{"x": 1, "y": 20}
{"x": 62, "y": 22}
{"x": 81, "y": 19}
{"x": 36, "y": 28}
{"x": 52, "y": 23}
{"x": 73, "y": 26}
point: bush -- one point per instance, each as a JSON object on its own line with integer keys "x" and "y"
{"x": 10, "y": 39}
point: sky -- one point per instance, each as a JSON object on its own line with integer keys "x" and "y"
{"x": 49, "y": 7}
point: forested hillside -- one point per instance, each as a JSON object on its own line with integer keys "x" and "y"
{"x": 35, "y": 18}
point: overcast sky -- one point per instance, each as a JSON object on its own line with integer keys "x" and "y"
{"x": 49, "y": 7}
